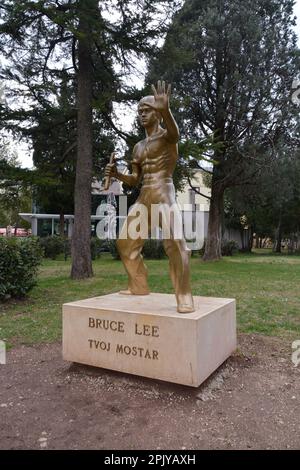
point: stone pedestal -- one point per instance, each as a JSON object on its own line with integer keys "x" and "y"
{"x": 144, "y": 335}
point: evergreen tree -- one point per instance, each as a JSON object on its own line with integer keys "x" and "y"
{"x": 271, "y": 206}
{"x": 232, "y": 63}
{"x": 97, "y": 42}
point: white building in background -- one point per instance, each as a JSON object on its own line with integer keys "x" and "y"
{"x": 43, "y": 224}
{"x": 189, "y": 196}
{"x": 199, "y": 204}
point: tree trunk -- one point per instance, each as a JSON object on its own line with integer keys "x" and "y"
{"x": 278, "y": 238}
{"x": 213, "y": 241}
{"x": 278, "y": 234}
{"x": 213, "y": 244}
{"x": 242, "y": 238}
{"x": 61, "y": 224}
{"x": 17, "y": 220}
{"x": 81, "y": 249}
{"x": 249, "y": 240}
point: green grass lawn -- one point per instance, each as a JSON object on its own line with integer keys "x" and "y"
{"x": 266, "y": 287}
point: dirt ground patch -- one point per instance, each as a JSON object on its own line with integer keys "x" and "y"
{"x": 251, "y": 402}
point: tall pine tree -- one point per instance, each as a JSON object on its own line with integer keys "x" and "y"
{"x": 98, "y": 42}
{"x": 232, "y": 63}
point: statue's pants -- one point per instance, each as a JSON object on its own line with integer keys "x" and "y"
{"x": 145, "y": 217}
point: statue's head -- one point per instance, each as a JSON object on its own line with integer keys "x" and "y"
{"x": 148, "y": 116}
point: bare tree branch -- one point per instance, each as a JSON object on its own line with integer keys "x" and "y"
{"x": 197, "y": 190}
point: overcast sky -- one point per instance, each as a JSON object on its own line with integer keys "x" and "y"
{"x": 25, "y": 155}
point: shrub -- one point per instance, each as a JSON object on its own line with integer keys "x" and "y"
{"x": 52, "y": 246}
{"x": 55, "y": 245}
{"x": 96, "y": 247}
{"x": 229, "y": 247}
{"x": 112, "y": 244}
{"x": 19, "y": 261}
{"x": 67, "y": 248}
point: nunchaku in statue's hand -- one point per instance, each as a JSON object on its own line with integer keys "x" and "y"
{"x": 110, "y": 171}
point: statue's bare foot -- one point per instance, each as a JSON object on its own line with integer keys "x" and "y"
{"x": 185, "y": 304}
{"x": 182, "y": 308}
{"x": 128, "y": 292}
{"x": 125, "y": 292}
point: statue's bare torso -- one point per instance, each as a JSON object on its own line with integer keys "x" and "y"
{"x": 156, "y": 158}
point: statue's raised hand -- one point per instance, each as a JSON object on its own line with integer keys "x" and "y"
{"x": 161, "y": 96}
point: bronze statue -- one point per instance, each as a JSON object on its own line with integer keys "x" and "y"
{"x": 154, "y": 161}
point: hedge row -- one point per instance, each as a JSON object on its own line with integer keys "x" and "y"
{"x": 153, "y": 249}
{"x": 55, "y": 245}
